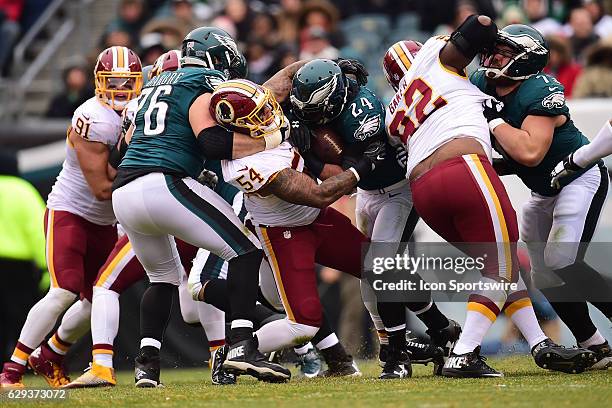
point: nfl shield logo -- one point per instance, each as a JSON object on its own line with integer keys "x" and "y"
{"x": 287, "y": 234}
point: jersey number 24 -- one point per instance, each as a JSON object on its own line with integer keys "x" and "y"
{"x": 402, "y": 125}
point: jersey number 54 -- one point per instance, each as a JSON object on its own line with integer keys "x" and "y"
{"x": 402, "y": 125}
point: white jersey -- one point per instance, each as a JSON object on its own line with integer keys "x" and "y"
{"x": 433, "y": 106}
{"x": 251, "y": 173}
{"x": 98, "y": 123}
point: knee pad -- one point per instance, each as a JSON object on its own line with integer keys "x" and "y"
{"x": 308, "y": 312}
{"x": 557, "y": 255}
{"x": 302, "y": 333}
{"x": 59, "y": 298}
{"x": 472, "y": 37}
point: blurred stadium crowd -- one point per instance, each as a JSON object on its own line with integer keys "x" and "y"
{"x": 275, "y": 33}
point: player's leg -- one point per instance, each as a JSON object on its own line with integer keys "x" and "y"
{"x": 464, "y": 201}
{"x": 575, "y": 217}
{"x": 66, "y": 238}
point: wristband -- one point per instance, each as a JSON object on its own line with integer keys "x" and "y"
{"x": 352, "y": 169}
{"x": 495, "y": 123}
{"x": 273, "y": 140}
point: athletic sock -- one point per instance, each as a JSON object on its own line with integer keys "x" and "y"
{"x": 431, "y": 316}
{"x": 105, "y": 312}
{"x": 481, "y": 314}
{"x": 326, "y": 342}
{"x": 155, "y": 309}
{"x": 243, "y": 288}
{"x": 21, "y": 353}
{"x": 595, "y": 340}
{"x": 215, "y": 293}
{"x": 335, "y": 353}
{"x": 523, "y": 316}
{"x": 303, "y": 349}
{"x": 57, "y": 345}
{"x": 103, "y": 354}
{"x": 383, "y": 337}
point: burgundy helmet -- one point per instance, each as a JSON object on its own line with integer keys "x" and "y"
{"x": 118, "y": 76}
{"x": 245, "y": 107}
{"x": 168, "y": 61}
{"x": 398, "y": 59}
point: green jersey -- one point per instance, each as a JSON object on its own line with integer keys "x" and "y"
{"x": 224, "y": 189}
{"x": 163, "y": 139}
{"x": 540, "y": 95}
{"x": 363, "y": 120}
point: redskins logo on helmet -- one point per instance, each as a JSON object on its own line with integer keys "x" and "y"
{"x": 398, "y": 59}
{"x": 168, "y": 61}
{"x": 245, "y": 107}
{"x": 118, "y": 77}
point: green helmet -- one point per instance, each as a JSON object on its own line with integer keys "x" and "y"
{"x": 146, "y": 71}
{"x": 528, "y": 55}
{"x": 319, "y": 92}
{"x": 213, "y": 48}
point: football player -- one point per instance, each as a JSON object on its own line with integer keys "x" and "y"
{"x": 79, "y": 221}
{"x": 437, "y": 113}
{"x": 290, "y": 212}
{"x": 323, "y": 95}
{"x": 172, "y": 135}
{"x": 600, "y": 147}
{"x": 533, "y": 131}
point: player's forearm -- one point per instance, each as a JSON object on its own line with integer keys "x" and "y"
{"x": 600, "y": 147}
{"x": 280, "y": 83}
{"x": 518, "y": 144}
{"x": 330, "y": 170}
{"x": 330, "y": 190}
{"x": 244, "y": 145}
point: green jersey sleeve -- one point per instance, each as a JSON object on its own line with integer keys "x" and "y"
{"x": 542, "y": 95}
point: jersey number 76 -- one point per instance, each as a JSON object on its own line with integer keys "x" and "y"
{"x": 402, "y": 125}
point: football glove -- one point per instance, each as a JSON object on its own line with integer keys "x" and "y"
{"x": 373, "y": 156}
{"x": 208, "y": 178}
{"x": 564, "y": 168}
{"x": 354, "y": 67}
{"x": 299, "y": 136}
{"x": 401, "y": 155}
{"x": 493, "y": 112}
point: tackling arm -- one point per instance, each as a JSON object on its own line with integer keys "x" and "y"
{"x": 93, "y": 160}
{"x": 280, "y": 83}
{"x": 529, "y": 144}
{"x": 215, "y": 141}
{"x": 297, "y": 188}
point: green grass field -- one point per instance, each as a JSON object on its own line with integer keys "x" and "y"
{"x": 524, "y": 385}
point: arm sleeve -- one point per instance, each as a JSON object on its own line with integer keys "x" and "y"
{"x": 600, "y": 147}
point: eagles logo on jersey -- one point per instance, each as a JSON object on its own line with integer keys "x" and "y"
{"x": 368, "y": 127}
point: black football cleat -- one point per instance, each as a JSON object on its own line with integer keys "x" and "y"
{"x": 341, "y": 368}
{"x": 424, "y": 353}
{"x": 397, "y": 365}
{"x": 446, "y": 337}
{"x": 551, "y": 356}
{"x": 146, "y": 371}
{"x": 603, "y": 356}
{"x": 468, "y": 365}
{"x": 244, "y": 358}
{"x": 218, "y": 375}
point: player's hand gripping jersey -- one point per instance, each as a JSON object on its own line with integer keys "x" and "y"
{"x": 95, "y": 122}
{"x": 434, "y": 105}
{"x": 251, "y": 173}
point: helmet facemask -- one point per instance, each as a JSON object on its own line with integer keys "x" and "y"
{"x": 117, "y": 89}
{"x": 266, "y": 118}
{"x": 518, "y": 49}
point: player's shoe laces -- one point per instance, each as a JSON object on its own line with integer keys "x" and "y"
{"x": 549, "y": 355}
{"x": 468, "y": 365}
{"x": 95, "y": 376}
{"x": 11, "y": 376}
{"x": 146, "y": 371}
{"x": 244, "y": 358}
{"x": 51, "y": 371}
{"x": 397, "y": 365}
{"x": 424, "y": 353}
{"x": 309, "y": 364}
{"x": 341, "y": 368}
{"x": 603, "y": 354}
{"x": 218, "y": 375}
